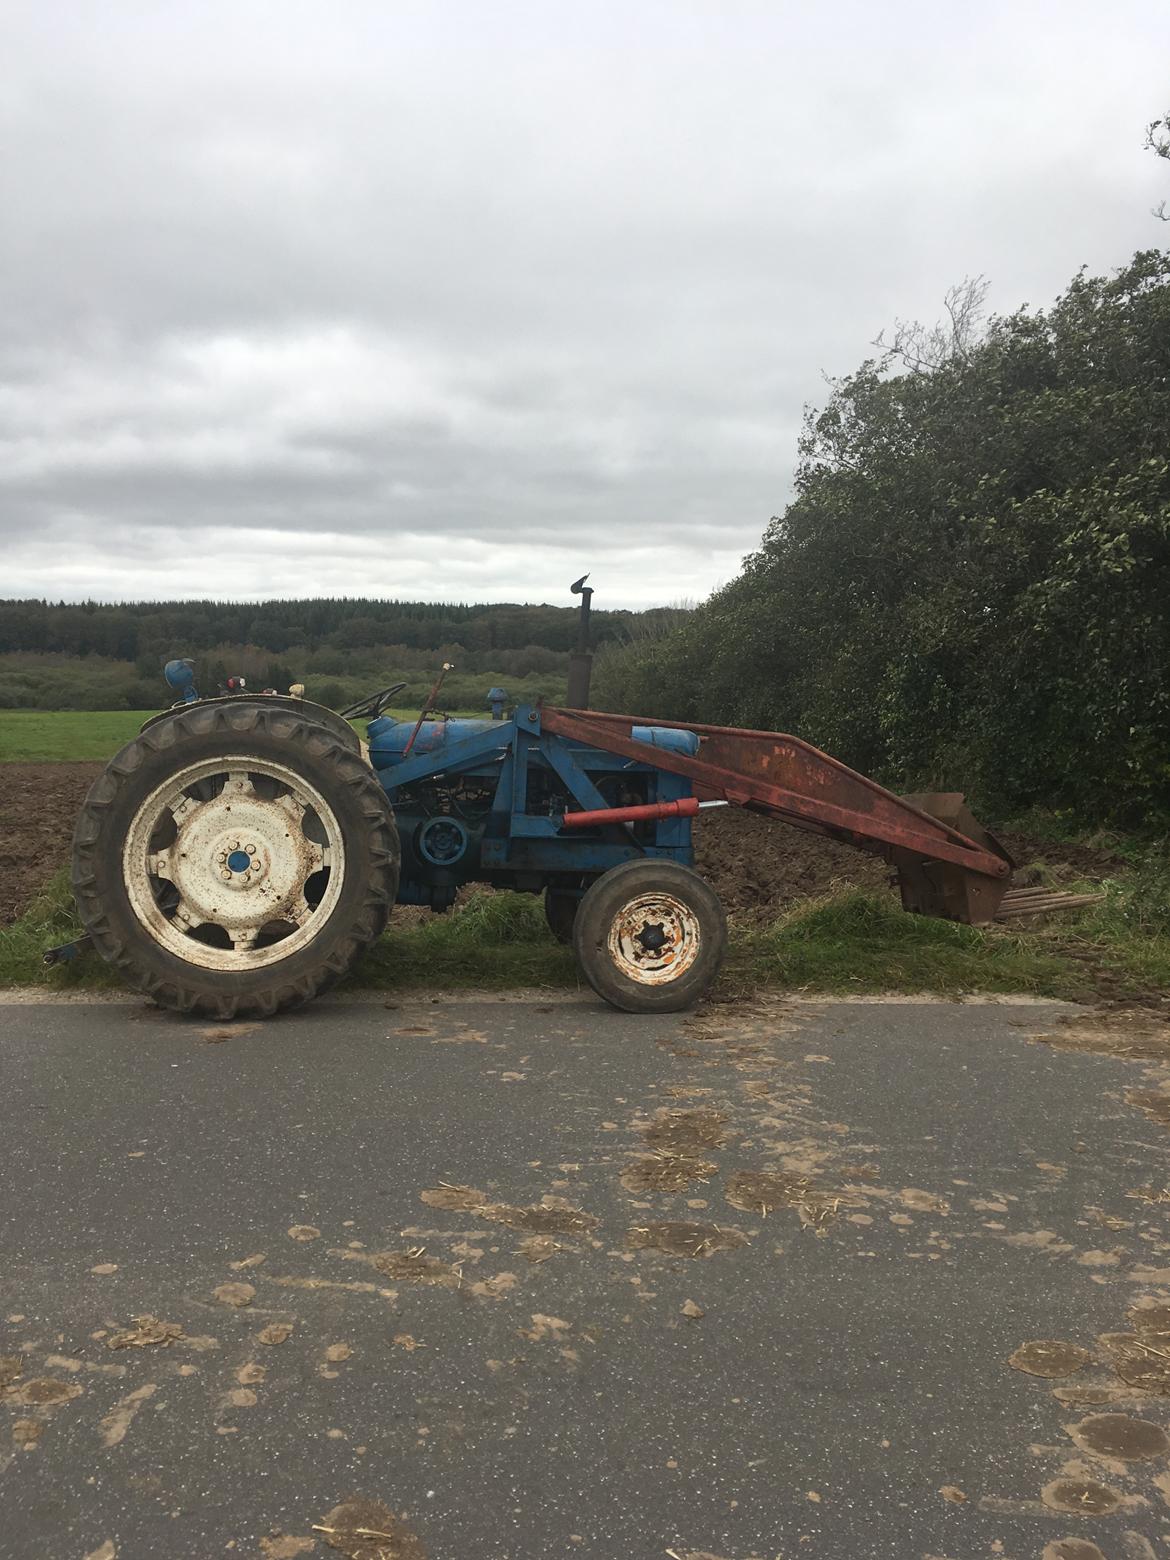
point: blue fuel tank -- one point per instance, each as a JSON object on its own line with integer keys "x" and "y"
{"x": 667, "y": 737}
{"x": 388, "y": 738}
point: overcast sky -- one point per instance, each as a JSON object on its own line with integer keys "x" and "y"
{"x": 460, "y": 299}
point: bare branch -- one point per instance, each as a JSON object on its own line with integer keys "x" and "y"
{"x": 923, "y": 348}
{"x": 1158, "y": 141}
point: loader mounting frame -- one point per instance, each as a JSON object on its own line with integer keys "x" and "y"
{"x": 947, "y": 864}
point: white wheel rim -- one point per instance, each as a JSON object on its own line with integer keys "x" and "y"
{"x": 654, "y": 939}
{"x": 218, "y": 859}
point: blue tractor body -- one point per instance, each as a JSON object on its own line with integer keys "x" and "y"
{"x": 484, "y": 801}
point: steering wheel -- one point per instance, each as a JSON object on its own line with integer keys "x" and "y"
{"x": 372, "y": 706}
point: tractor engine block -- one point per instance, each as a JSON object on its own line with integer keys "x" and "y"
{"x": 463, "y": 827}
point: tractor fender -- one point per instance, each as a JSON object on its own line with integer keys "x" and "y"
{"x": 319, "y": 713}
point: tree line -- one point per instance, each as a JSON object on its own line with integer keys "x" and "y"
{"x": 102, "y": 656}
{"x": 127, "y": 631}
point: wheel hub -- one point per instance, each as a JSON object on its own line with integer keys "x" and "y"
{"x": 654, "y": 938}
{"x": 239, "y": 861}
{"x": 236, "y": 858}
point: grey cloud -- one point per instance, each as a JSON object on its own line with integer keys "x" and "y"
{"x": 452, "y": 300}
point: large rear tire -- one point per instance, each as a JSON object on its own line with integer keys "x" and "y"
{"x": 650, "y": 936}
{"x": 235, "y": 859}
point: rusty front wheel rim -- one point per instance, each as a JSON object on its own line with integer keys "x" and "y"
{"x": 218, "y": 878}
{"x": 654, "y": 939}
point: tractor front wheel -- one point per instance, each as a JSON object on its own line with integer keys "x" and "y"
{"x": 650, "y": 936}
{"x": 234, "y": 859}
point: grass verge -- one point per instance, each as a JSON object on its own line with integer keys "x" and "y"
{"x": 853, "y": 941}
{"x": 49, "y": 921}
{"x": 849, "y": 942}
{"x": 497, "y": 941}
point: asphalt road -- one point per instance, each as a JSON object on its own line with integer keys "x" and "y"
{"x": 525, "y": 1375}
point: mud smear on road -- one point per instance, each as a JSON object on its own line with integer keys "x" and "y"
{"x": 1150, "y": 1318}
{"x": 42, "y": 1392}
{"x": 539, "y": 1248}
{"x": 235, "y": 1295}
{"x": 220, "y": 1032}
{"x": 1047, "y": 1241}
{"x": 1124, "y": 1445}
{"x": 147, "y": 1332}
{"x": 1139, "y": 1034}
{"x": 1084, "y": 1496}
{"x": 366, "y": 1529}
{"x": 456, "y": 1199}
{"x": 684, "y": 1132}
{"x": 1050, "y": 1358}
{"x": 761, "y": 1191}
{"x": 494, "y": 1288}
{"x": 118, "y": 1421}
{"x": 666, "y": 1171}
{"x": 26, "y": 1433}
{"x": 1072, "y": 1549}
{"x": 683, "y": 1239}
{"x": 1118, "y": 1436}
{"x": 552, "y": 1216}
{"x": 1141, "y": 1359}
{"x": 1132, "y": 1034}
{"x": 415, "y": 1267}
{"x": 1153, "y": 1103}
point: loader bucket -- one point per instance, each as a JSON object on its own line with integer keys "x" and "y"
{"x": 942, "y": 888}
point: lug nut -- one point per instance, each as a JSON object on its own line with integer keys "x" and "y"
{"x": 251, "y": 849}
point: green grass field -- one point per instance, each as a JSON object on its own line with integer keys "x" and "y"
{"x": 63, "y": 736}
{"x": 75, "y": 736}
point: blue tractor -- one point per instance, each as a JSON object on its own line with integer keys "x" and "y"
{"x": 242, "y": 851}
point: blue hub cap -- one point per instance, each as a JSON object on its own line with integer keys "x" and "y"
{"x": 239, "y": 861}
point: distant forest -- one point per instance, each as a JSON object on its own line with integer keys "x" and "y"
{"x": 95, "y": 655}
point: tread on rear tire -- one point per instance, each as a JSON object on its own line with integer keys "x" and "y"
{"x": 270, "y": 733}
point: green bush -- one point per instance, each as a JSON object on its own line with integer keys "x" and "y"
{"x": 1142, "y": 898}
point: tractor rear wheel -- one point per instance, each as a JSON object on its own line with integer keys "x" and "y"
{"x": 235, "y": 859}
{"x": 650, "y": 936}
